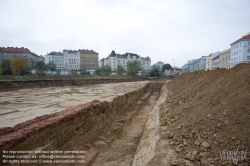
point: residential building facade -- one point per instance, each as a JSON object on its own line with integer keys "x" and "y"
{"x": 89, "y": 59}
{"x": 202, "y": 63}
{"x": 216, "y": 62}
{"x": 101, "y": 63}
{"x": 71, "y": 59}
{"x": 225, "y": 59}
{"x": 209, "y": 63}
{"x": 115, "y": 59}
{"x": 159, "y": 65}
{"x": 188, "y": 67}
{"x": 7, "y": 53}
{"x": 240, "y": 51}
{"x": 195, "y": 64}
{"x": 57, "y": 58}
{"x": 145, "y": 63}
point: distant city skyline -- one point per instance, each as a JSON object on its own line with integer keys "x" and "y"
{"x": 167, "y": 31}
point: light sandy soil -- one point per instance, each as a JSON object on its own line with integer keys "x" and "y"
{"x": 25, "y": 104}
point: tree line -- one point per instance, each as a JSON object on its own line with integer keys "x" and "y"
{"x": 18, "y": 66}
{"x": 133, "y": 68}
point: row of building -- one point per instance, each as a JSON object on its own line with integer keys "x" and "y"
{"x": 82, "y": 59}
{"x": 73, "y": 59}
{"x": 115, "y": 59}
{"x": 238, "y": 53}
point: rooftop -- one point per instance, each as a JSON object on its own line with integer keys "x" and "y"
{"x": 87, "y": 51}
{"x": 56, "y": 53}
{"x": 145, "y": 58}
{"x": 113, "y": 54}
{"x": 245, "y": 37}
{"x": 14, "y": 49}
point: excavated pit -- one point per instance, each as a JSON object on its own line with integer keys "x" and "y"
{"x": 108, "y": 131}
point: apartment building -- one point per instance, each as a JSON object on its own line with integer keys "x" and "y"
{"x": 211, "y": 59}
{"x": 145, "y": 63}
{"x": 7, "y": 53}
{"x": 202, "y": 63}
{"x": 240, "y": 51}
{"x": 159, "y": 64}
{"x": 224, "y": 59}
{"x": 216, "y": 62}
{"x": 57, "y": 58}
{"x": 71, "y": 59}
{"x": 101, "y": 63}
{"x": 115, "y": 59}
{"x": 89, "y": 59}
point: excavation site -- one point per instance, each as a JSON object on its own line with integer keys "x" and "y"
{"x": 195, "y": 119}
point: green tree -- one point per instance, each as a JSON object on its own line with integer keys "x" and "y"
{"x": 99, "y": 71}
{"x": 120, "y": 70}
{"x": 155, "y": 72}
{"x": 107, "y": 70}
{"x": 133, "y": 67}
{"x": 40, "y": 66}
{"x": 166, "y": 67}
{"x": 18, "y": 65}
{"x": 50, "y": 66}
{"x": 6, "y": 69}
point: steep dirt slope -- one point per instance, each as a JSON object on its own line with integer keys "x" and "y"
{"x": 206, "y": 114}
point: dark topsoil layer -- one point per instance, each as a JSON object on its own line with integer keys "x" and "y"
{"x": 15, "y": 85}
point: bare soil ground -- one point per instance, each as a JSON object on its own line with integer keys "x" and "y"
{"x": 25, "y": 104}
{"x": 205, "y": 120}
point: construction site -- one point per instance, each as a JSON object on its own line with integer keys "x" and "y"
{"x": 196, "y": 119}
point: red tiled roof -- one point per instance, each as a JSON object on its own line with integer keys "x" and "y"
{"x": 15, "y": 49}
{"x": 145, "y": 58}
{"x": 243, "y": 38}
{"x": 160, "y": 62}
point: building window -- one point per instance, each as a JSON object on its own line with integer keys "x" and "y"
{"x": 248, "y": 58}
{"x": 248, "y": 50}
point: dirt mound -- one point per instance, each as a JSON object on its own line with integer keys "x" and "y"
{"x": 207, "y": 116}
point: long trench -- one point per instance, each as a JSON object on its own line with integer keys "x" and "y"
{"x": 120, "y": 133}
{"x": 136, "y": 144}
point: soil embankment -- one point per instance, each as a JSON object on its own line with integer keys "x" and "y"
{"x": 205, "y": 119}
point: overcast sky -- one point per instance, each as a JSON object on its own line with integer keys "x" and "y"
{"x": 161, "y": 29}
